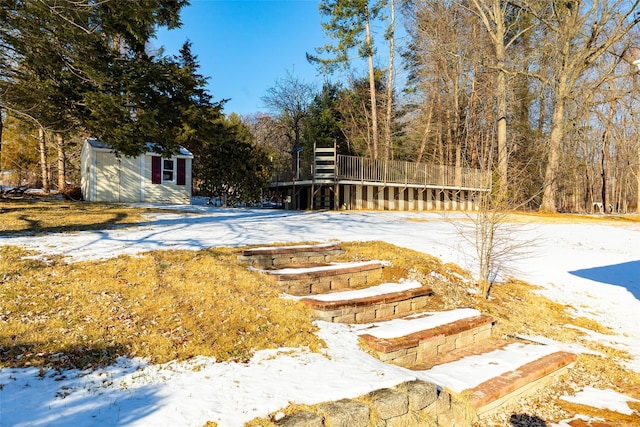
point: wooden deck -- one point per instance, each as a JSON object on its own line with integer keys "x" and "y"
{"x": 362, "y": 170}
{"x": 340, "y": 182}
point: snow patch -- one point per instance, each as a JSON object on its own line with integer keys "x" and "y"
{"x": 472, "y": 371}
{"x": 383, "y": 289}
{"x": 602, "y": 399}
{"x": 428, "y": 320}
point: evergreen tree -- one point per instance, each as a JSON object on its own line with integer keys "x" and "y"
{"x": 86, "y": 62}
{"x": 349, "y": 23}
{"x": 230, "y": 165}
{"x": 323, "y": 121}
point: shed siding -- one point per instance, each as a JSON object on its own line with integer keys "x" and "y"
{"x": 107, "y": 177}
{"x": 87, "y": 174}
{"x": 167, "y": 192}
{"x": 130, "y": 179}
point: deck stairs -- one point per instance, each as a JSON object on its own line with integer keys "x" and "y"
{"x": 454, "y": 349}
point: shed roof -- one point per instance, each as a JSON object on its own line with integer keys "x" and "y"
{"x": 151, "y": 147}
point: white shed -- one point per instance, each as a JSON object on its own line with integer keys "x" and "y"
{"x": 148, "y": 178}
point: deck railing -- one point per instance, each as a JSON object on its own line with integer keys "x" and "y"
{"x": 367, "y": 170}
{"x": 352, "y": 168}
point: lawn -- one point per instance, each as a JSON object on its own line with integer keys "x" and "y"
{"x": 38, "y": 216}
{"x": 176, "y": 305}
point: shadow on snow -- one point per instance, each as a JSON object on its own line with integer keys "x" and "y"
{"x": 67, "y": 401}
{"x": 215, "y": 227}
{"x": 626, "y": 274}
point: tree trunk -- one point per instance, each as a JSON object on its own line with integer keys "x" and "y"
{"x": 1, "y": 128}
{"x": 493, "y": 18}
{"x": 555, "y": 145}
{"x": 638, "y": 183}
{"x": 449, "y": 139}
{"x": 588, "y": 198}
{"x": 439, "y": 146}
{"x": 372, "y": 92}
{"x": 43, "y": 161}
{"x": 425, "y": 135}
{"x": 501, "y": 93}
{"x": 388, "y": 121}
{"x": 604, "y": 161}
{"x": 458, "y": 167}
{"x": 62, "y": 173}
{"x": 605, "y": 151}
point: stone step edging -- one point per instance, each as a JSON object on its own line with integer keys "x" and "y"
{"x": 526, "y": 379}
{"x": 274, "y": 256}
{"x": 399, "y": 405}
{"x": 418, "y": 347}
{"x": 371, "y": 308}
{"x": 327, "y": 278}
{"x": 331, "y": 270}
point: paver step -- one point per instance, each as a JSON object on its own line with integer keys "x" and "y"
{"x": 523, "y": 381}
{"x": 453, "y": 349}
{"x": 322, "y": 279}
{"x": 376, "y": 303}
{"x": 500, "y": 376}
{"x": 418, "y": 339}
{"x": 278, "y": 256}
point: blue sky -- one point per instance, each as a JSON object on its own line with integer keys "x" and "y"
{"x": 244, "y": 46}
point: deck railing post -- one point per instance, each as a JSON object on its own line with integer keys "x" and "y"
{"x": 385, "y": 171}
{"x": 406, "y": 173}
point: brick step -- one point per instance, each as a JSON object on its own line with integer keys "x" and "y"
{"x": 419, "y": 339}
{"x": 327, "y": 278}
{"x": 278, "y": 256}
{"x": 524, "y": 381}
{"x": 376, "y": 303}
{"x": 500, "y": 376}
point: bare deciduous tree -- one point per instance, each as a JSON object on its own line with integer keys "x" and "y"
{"x": 581, "y": 32}
{"x": 503, "y": 34}
{"x": 289, "y": 101}
{"x": 496, "y": 240}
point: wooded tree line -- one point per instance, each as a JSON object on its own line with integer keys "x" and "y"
{"x": 76, "y": 69}
{"x": 543, "y": 93}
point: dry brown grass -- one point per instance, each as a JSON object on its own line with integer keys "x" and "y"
{"x": 564, "y": 218}
{"x": 613, "y": 419}
{"x": 37, "y": 216}
{"x": 180, "y": 304}
{"x": 449, "y": 282}
{"x": 161, "y": 306}
{"x": 552, "y": 218}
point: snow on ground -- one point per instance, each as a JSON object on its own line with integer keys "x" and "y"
{"x": 330, "y": 267}
{"x": 603, "y": 399}
{"x": 474, "y": 370}
{"x": 568, "y": 347}
{"x": 372, "y": 291}
{"x": 400, "y": 327}
{"x": 191, "y": 393}
{"x": 593, "y": 266}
